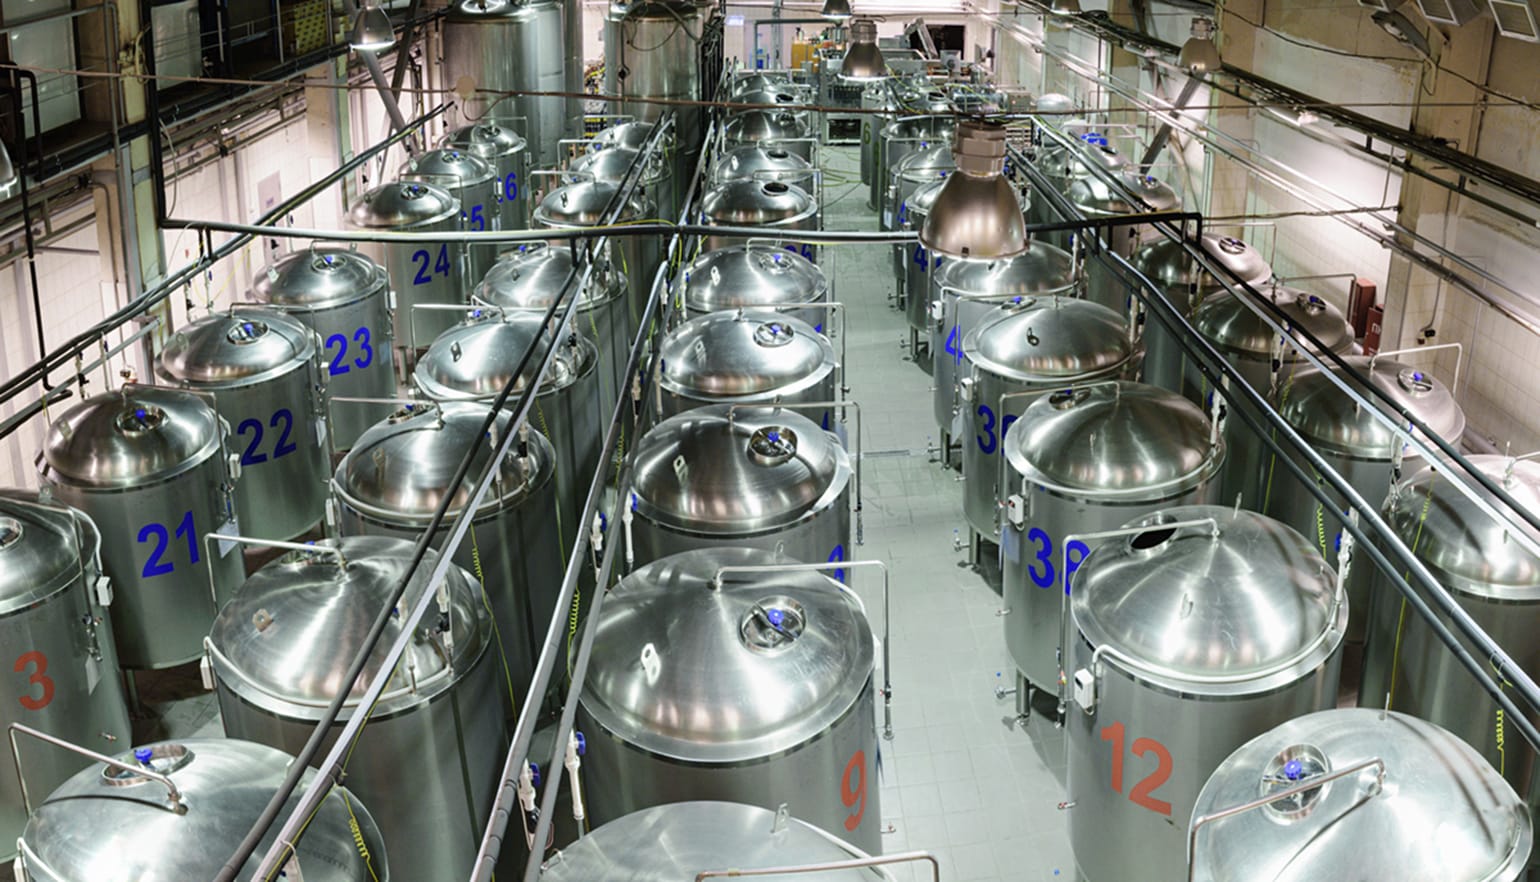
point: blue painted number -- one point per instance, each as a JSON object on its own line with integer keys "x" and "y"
{"x": 284, "y": 446}
{"x": 952, "y": 348}
{"x": 157, "y": 533}
{"x": 478, "y": 219}
{"x": 987, "y": 440}
{"x": 838, "y": 556}
{"x": 336, "y": 365}
{"x": 423, "y": 258}
{"x": 511, "y": 186}
{"x": 919, "y": 257}
{"x": 1045, "y": 554}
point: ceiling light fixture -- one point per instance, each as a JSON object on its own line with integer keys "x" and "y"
{"x": 863, "y": 60}
{"x": 1199, "y": 54}
{"x": 977, "y": 213}
{"x": 10, "y": 179}
{"x": 836, "y": 10}
{"x": 1064, "y": 7}
{"x": 372, "y": 30}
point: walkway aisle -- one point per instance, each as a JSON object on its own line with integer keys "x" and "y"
{"x": 961, "y": 778}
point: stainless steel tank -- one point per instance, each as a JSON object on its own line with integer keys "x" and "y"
{"x": 915, "y": 260}
{"x": 765, "y": 163}
{"x": 656, "y": 179}
{"x": 786, "y": 129}
{"x": 652, "y": 50}
{"x": 1092, "y": 197}
{"x": 746, "y": 357}
{"x": 147, "y": 465}
{"x": 582, "y": 205}
{"x": 532, "y": 277}
{"x": 877, "y": 105}
{"x": 764, "y": 477}
{"x": 394, "y": 480}
{"x": 1494, "y": 579}
{"x": 964, "y": 292}
{"x": 1025, "y": 350}
{"x": 897, "y": 140}
{"x": 54, "y": 602}
{"x": 508, "y": 154}
{"x": 1185, "y": 643}
{"x": 345, "y": 298}
{"x": 473, "y": 183}
{"x": 918, "y": 170}
{"x": 759, "y": 81}
{"x": 667, "y": 843}
{"x": 1251, "y": 347}
{"x": 518, "y": 46}
{"x": 664, "y": 710}
{"x": 755, "y": 276}
{"x": 107, "y": 822}
{"x": 1168, "y": 264}
{"x": 633, "y": 135}
{"x": 1064, "y": 166}
{"x": 262, "y": 369}
{"x": 1356, "y": 445}
{"x": 428, "y": 759}
{"x": 474, "y": 360}
{"x": 419, "y": 272}
{"x": 1408, "y": 802}
{"x": 1084, "y": 460}
{"x": 778, "y": 208}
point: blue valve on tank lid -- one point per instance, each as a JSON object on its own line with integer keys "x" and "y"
{"x": 1417, "y": 376}
{"x": 582, "y": 743}
{"x": 144, "y": 755}
{"x": 140, "y": 413}
{"x": 534, "y": 774}
{"x": 327, "y": 259}
{"x": 774, "y": 436}
{"x": 776, "y": 617}
{"x": 1293, "y": 770}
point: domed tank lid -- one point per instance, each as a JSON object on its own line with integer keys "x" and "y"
{"x": 535, "y": 275}
{"x": 669, "y": 10}
{"x": 737, "y": 353}
{"x": 1244, "y": 597}
{"x": 401, "y": 468}
{"x": 765, "y": 468}
{"x": 750, "y": 276}
{"x": 476, "y": 358}
{"x": 926, "y": 164}
{"x": 1093, "y": 197}
{"x": 676, "y": 841}
{"x": 1050, "y": 339}
{"x": 317, "y": 278}
{"x": 235, "y": 348}
{"x": 758, "y": 82}
{"x": 403, "y": 204}
{"x": 136, "y": 435}
{"x": 756, "y": 162}
{"x": 614, "y": 164}
{"x": 1114, "y": 439}
{"x": 748, "y": 670}
{"x": 487, "y": 140}
{"x": 765, "y": 125}
{"x": 1441, "y": 814}
{"x": 1231, "y": 325}
{"x": 42, "y": 549}
{"x": 583, "y": 204}
{"x": 1041, "y": 269}
{"x": 481, "y": 10}
{"x": 449, "y": 167}
{"x": 104, "y": 816}
{"x": 1464, "y": 547}
{"x": 939, "y": 127}
{"x": 630, "y": 134}
{"x": 922, "y": 199}
{"x": 757, "y": 202}
{"x": 303, "y": 605}
{"x": 1166, "y": 261}
{"x": 1330, "y": 420}
{"x": 778, "y": 95}
{"x": 1054, "y": 103}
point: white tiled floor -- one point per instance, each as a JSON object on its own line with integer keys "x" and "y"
{"x": 961, "y": 777}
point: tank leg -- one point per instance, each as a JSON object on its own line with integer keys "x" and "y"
{"x": 131, "y": 693}
{"x": 946, "y": 448}
{"x": 975, "y": 549}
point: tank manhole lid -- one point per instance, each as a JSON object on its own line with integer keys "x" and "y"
{"x": 772, "y": 445}
{"x": 773, "y": 624}
{"x": 1293, "y": 766}
{"x": 137, "y": 419}
{"x": 773, "y": 334}
{"x": 244, "y": 332}
{"x": 163, "y": 759}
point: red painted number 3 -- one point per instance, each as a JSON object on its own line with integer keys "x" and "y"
{"x": 1141, "y": 795}
{"x": 38, "y": 677}
{"x": 853, "y": 789}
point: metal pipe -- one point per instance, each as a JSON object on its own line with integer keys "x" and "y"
{"x": 902, "y": 857}
{"x": 493, "y": 237}
{"x": 173, "y": 795}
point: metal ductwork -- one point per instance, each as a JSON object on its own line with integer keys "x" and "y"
{"x": 1519, "y": 19}
{"x": 1454, "y": 12}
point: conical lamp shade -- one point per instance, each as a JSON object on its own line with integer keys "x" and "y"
{"x": 836, "y": 10}
{"x": 372, "y": 30}
{"x": 863, "y": 60}
{"x": 10, "y": 181}
{"x": 977, "y": 213}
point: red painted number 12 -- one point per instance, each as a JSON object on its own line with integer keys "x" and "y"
{"x": 1141, "y": 747}
{"x": 853, "y": 789}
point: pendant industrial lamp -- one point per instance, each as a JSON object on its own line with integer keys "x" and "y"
{"x": 863, "y": 60}
{"x": 977, "y": 213}
{"x": 1065, "y": 7}
{"x": 1199, "y": 54}
{"x": 372, "y": 30}
{"x": 10, "y": 179}
{"x": 836, "y": 10}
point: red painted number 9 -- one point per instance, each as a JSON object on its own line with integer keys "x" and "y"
{"x": 38, "y": 677}
{"x": 853, "y": 789}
